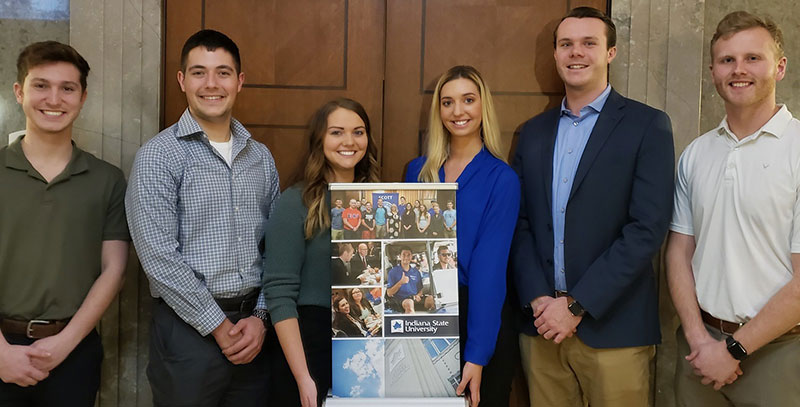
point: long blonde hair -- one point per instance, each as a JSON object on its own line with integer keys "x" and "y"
{"x": 438, "y": 138}
{"x": 317, "y": 167}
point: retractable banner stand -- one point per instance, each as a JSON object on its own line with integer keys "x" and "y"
{"x": 394, "y": 295}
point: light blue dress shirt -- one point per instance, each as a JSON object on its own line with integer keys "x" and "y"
{"x": 573, "y": 134}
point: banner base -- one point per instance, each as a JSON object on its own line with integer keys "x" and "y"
{"x": 397, "y": 402}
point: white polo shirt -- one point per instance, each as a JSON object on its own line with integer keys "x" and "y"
{"x": 739, "y": 199}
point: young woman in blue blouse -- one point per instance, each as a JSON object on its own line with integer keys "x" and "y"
{"x": 297, "y": 258}
{"x": 463, "y": 146}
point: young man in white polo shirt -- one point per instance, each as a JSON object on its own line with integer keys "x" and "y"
{"x": 734, "y": 245}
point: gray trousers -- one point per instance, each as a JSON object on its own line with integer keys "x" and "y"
{"x": 187, "y": 369}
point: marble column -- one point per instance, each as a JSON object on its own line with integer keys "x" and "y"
{"x": 121, "y": 40}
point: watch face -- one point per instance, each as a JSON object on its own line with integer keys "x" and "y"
{"x": 576, "y": 309}
{"x": 735, "y": 348}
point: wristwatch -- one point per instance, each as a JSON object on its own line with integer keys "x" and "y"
{"x": 736, "y": 349}
{"x": 575, "y": 308}
{"x": 261, "y": 314}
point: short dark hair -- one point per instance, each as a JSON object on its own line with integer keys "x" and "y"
{"x": 738, "y": 21}
{"x": 441, "y": 249}
{"x": 345, "y": 248}
{"x": 211, "y": 40}
{"x": 590, "y": 12}
{"x": 404, "y": 248}
{"x": 47, "y": 52}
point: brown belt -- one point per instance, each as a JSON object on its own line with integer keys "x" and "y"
{"x": 729, "y": 328}
{"x": 33, "y": 329}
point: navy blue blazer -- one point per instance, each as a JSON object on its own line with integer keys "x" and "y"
{"x": 617, "y": 216}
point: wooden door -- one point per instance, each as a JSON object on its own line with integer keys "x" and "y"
{"x": 509, "y": 41}
{"x": 296, "y": 55}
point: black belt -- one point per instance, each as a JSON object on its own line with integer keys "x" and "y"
{"x": 244, "y": 304}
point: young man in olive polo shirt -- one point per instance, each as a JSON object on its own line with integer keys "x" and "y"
{"x": 63, "y": 240}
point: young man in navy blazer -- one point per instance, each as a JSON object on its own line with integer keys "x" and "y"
{"x": 597, "y": 181}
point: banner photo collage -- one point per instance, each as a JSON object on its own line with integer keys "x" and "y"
{"x": 394, "y": 293}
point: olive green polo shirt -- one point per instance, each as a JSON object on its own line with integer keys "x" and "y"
{"x": 51, "y": 234}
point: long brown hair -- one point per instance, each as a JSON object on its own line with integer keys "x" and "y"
{"x": 318, "y": 168}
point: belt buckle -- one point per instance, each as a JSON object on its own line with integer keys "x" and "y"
{"x": 722, "y": 327}
{"x": 560, "y": 293}
{"x": 31, "y": 323}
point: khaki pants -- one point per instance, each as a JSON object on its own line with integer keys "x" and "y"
{"x": 771, "y": 377}
{"x": 572, "y": 374}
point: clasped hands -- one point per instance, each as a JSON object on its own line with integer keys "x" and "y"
{"x": 711, "y": 360}
{"x": 242, "y": 342}
{"x": 28, "y": 365}
{"x": 554, "y": 321}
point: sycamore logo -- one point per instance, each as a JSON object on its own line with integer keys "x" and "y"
{"x": 397, "y": 326}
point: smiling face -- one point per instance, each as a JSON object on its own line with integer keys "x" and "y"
{"x": 581, "y": 54}
{"x": 745, "y": 68}
{"x": 345, "y": 144}
{"x": 362, "y": 249}
{"x": 460, "y": 108}
{"x": 211, "y": 84}
{"x": 356, "y": 294}
{"x": 405, "y": 258}
{"x": 51, "y": 97}
{"x": 343, "y": 306}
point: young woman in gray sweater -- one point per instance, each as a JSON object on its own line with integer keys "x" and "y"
{"x": 297, "y": 254}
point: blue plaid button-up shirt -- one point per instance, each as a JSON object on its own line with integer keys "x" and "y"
{"x": 197, "y": 223}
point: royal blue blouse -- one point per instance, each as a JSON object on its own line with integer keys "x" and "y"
{"x": 487, "y": 206}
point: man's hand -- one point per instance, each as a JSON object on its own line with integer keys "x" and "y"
{"x": 471, "y": 375}
{"x": 222, "y": 334}
{"x": 555, "y": 321}
{"x": 404, "y": 279}
{"x": 537, "y": 305}
{"x": 57, "y": 346}
{"x": 16, "y": 366}
{"x": 712, "y": 361}
{"x": 251, "y": 333}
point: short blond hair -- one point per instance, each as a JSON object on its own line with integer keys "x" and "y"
{"x": 741, "y": 20}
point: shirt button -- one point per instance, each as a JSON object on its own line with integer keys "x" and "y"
{"x": 736, "y": 149}
{"x": 236, "y": 208}
{"x": 561, "y": 241}
{"x": 239, "y": 238}
{"x": 569, "y": 151}
{"x": 564, "y": 180}
{"x": 562, "y": 271}
{"x": 575, "y": 124}
{"x": 562, "y": 210}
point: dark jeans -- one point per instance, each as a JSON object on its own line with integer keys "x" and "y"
{"x": 498, "y": 373}
{"x": 187, "y": 369}
{"x": 315, "y": 332}
{"x": 72, "y": 383}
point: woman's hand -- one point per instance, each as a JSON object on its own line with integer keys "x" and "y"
{"x": 308, "y": 392}
{"x": 471, "y": 376}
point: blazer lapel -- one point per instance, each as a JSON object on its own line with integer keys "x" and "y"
{"x": 549, "y": 141}
{"x": 609, "y": 117}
